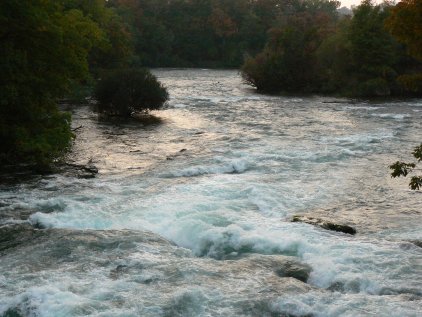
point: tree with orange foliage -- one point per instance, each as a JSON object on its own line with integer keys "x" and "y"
{"x": 405, "y": 24}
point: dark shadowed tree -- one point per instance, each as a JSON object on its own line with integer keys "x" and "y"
{"x": 288, "y": 62}
{"x": 124, "y": 92}
{"x": 373, "y": 51}
{"x": 314, "y": 50}
{"x": 43, "y": 50}
{"x": 405, "y": 24}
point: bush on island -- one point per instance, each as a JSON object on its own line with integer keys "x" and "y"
{"x": 124, "y": 92}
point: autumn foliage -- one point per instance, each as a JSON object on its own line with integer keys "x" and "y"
{"x": 316, "y": 50}
{"x": 405, "y": 23}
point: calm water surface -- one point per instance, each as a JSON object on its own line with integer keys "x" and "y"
{"x": 192, "y": 216}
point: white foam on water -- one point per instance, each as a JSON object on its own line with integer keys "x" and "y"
{"x": 342, "y": 305}
{"x": 44, "y": 301}
{"x": 233, "y": 166}
{"x": 180, "y": 105}
{"x": 220, "y": 222}
{"x": 395, "y": 116}
{"x": 220, "y": 214}
{"x": 12, "y": 221}
{"x": 360, "y": 140}
{"x": 277, "y": 157}
{"x": 369, "y": 108}
{"x": 188, "y": 302}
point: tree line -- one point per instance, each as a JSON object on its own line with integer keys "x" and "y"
{"x": 374, "y": 52}
{"x": 199, "y": 33}
{"x": 50, "y": 49}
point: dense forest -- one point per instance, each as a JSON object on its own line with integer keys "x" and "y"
{"x": 372, "y": 53}
{"x": 54, "y": 49}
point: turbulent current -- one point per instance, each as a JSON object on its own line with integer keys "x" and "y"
{"x": 191, "y": 215}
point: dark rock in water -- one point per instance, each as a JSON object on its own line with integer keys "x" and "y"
{"x": 418, "y": 243}
{"x": 16, "y": 174}
{"x": 15, "y": 235}
{"x": 265, "y": 309}
{"x": 12, "y": 313}
{"x": 15, "y": 212}
{"x": 90, "y": 169}
{"x": 337, "y": 287}
{"x": 86, "y": 176}
{"x": 283, "y": 266}
{"x": 295, "y": 269}
{"x": 340, "y": 228}
{"x": 325, "y": 224}
{"x": 173, "y": 156}
{"x": 186, "y": 304}
{"x": 80, "y": 171}
{"x": 119, "y": 270}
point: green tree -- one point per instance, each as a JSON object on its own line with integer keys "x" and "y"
{"x": 114, "y": 47}
{"x": 313, "y": 50}
{"x": 333, "y": 60}
{"x": 373, "y": 51}
{"x": 205, "y": 33}
{"x": 43, "y": 50}
{"x": 124, "y": 92}
{"x": 288, "y": 62}
{"x": 403, "y": 169}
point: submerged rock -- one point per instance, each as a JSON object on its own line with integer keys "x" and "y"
{"x": 173, "y": 156}
{"x": 118, "y": 271}
{"x": 418, "y": 243}
{"x": 282, "y": 265}
{"x": 295, "y": 269}
{"x": 325, "y": 224}
{"x": 12, "y": 312}
{"x": 78, "y": 170}
{"x": 16, "y": 234}
{"x": 266, "y": 309}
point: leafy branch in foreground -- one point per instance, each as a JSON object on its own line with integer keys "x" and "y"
{"x": 403, "y": 169}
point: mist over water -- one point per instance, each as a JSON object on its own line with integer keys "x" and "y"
{"x": 191, "y": 216}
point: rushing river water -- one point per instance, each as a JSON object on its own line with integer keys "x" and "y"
{"x": 192, "y": 216}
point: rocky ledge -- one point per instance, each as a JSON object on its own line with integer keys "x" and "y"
{"x": 325, "y": 224}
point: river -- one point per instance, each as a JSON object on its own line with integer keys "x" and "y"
{"x": 191, "y": 216}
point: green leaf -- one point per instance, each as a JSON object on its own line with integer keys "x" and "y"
{"x": 401, "y": 169}
{"x": 415, "y": 182}
{"x": 417, "y": 153}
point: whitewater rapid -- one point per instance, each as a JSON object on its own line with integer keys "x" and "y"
{"x": 191, "y": 216}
